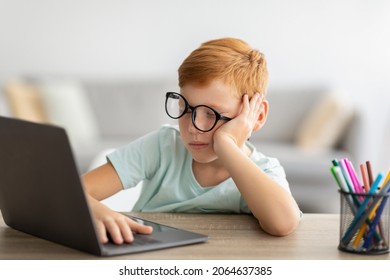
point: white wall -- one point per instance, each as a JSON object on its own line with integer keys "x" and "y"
{"x": 306, "y": 42}
{"x": 340, "y": 44}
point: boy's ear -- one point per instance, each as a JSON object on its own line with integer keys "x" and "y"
{"x": 262, "y": 116}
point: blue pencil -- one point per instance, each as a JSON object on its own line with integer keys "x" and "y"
{"x": 360, "y": 217}
{"x": 372, "y": 230}
{"x": 376, "y": 220}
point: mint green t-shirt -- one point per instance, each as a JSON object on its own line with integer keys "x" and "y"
{"x": 162, "y": 162}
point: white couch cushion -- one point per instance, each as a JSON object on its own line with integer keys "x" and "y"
{"x": 67, "y": 105}
{"x": 325, "y": 123}
{"x": 287, "y": 109}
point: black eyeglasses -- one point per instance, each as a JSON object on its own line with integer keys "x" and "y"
{"x": 204, "y": 118}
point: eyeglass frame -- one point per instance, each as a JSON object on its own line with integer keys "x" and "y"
{"x": 218, "y": 116}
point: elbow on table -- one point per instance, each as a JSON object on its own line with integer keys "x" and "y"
{"x": 281, "y": 229}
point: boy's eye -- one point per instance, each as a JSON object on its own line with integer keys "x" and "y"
{"x": 182, "y": 108}
{"x": 210, "y": 115}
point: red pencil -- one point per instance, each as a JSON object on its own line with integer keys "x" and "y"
{"x": 369, "y": 172}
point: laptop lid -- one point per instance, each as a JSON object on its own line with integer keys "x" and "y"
{"x": 41, "y": 193}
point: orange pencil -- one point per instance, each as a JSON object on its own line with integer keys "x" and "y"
{"x": 366, "y": 184}
{"x": 387, "y": 179}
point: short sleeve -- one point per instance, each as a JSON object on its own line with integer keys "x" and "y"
{"x": 138, "y": 160}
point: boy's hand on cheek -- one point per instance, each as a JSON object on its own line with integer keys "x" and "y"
{"x": 240, "y": 128}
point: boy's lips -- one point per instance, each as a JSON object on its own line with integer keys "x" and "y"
{"x": 197, "y": 145}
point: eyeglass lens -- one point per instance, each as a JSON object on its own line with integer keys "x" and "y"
{"x": 203, "y": 117}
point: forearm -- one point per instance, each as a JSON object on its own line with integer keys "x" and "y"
{"x": 102, "y": 182}
{"x": 273, "y": 206}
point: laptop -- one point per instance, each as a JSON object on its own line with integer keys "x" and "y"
{"x": 41, "y": 194}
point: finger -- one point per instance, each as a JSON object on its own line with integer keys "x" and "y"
{"x": 250, "y": 107}
{"x": 114, "y": 231}
{"x": 245, "y": 107}
{"x": 127, "y": 226}
{"x": 257, "y": 106}
{"x": 122, "y": 230}
{"x": 139, "y": 228}
{"x": 256, "y": 100}
{"x": 102, "y": 233}
{"x": 125, "y": 230}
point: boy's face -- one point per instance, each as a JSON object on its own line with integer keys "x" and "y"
{"x": 217, "y": 95}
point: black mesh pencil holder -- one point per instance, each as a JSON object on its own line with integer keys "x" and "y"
{"x": 364, "y": 223}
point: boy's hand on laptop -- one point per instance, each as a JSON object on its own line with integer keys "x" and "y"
{"x": 115, "y": 225}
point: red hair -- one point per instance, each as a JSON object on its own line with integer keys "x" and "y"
{"x": 229, "y": 59}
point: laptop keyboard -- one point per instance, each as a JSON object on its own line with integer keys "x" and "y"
{"x": 144, "y": 239}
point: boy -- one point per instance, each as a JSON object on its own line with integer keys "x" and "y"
{"x": 207, "y": 164}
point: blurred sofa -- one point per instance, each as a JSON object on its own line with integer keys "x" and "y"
{"x": 306, "y": 128}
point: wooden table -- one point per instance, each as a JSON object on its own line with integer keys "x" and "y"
{"x": 230, "y": 237}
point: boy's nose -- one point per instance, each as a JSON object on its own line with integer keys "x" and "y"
{"x": 192, "y": 129}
